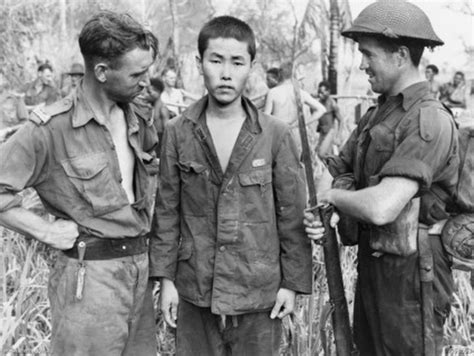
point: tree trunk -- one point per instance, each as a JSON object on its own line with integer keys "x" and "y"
{"x": 62, "y": 21}
{"x": 334, "y": 44}
{"x": 175, "y": 24}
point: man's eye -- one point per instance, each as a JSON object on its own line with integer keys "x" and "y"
{"x": 238, "y": 64}
{"x": 215, "y": 61}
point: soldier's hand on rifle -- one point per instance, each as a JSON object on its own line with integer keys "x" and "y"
{"x": 314, "y": 227}
{"x": 169, "y": 301}
{"x": 284, "y": 304}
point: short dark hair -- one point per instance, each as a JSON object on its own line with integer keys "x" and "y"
{"x": 108, "y": 35}
{"x": 157, "y": 83}
{"x": 416, "y": 47}
{"x": 460, "y": 74}
{"x": 325, "y": 84}
{"x": 227, "y": 27}
{"x": 433, "y": 68}
{"x": 274, "y": 71}
{"x": 45, "y": 66}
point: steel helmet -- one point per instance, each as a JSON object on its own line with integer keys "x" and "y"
{"x": 394, "y": 19}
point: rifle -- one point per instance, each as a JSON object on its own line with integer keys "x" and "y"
{"x": 340, "y": 314}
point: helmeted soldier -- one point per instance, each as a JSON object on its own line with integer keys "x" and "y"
{"x": 403, "y": 148}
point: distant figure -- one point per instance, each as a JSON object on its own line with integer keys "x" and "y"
{"x": 329, "y": 122}
{"x": 454, "y": 94}
{"x": 42, "y": 90}
{"x": 174, "y": 97}
{"x": 281, "y": 101}
{"x": 75, "y": 75}
{"x": 12, "y": 108}
{"x": 431, "y": 72}
{"x": 273, "y": 77}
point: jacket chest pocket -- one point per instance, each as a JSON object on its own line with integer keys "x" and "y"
{"x": 256, "y": 194}
{"x": 381, "y": 147}
{"x": 195, "y": 190}
{"x": 92, "y": 178}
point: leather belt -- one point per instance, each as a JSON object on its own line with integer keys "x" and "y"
{"x": 106, "y": 249}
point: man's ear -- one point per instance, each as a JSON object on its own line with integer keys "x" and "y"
{"x": 403, "y": 55}
{"x": 100, "y": 71}
{"x": 199, "y": 64}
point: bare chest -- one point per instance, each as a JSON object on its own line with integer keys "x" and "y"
{"x": 224, "y": 134}
{"x": 119, "y": 133}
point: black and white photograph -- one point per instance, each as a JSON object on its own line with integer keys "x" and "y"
{"x": 237, "y": 177}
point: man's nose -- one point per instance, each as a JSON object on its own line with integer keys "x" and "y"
{"x": 363, "y": 63}
{"x": 226, "y": 70}
{"x": 145, "y": 80}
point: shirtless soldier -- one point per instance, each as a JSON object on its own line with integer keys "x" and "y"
{"x": 91, "y": 159}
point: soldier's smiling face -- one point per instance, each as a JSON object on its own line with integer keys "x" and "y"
{"x": 379, "y": 64}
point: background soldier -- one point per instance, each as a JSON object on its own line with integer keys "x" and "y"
{"x": 42, "y": 91}
{"x": 75, "y": 75}
{"x": 402, "y": 149}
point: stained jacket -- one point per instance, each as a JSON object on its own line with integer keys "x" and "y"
{"x": 410, "y": 135}
{"x": 231, "y": 239}
{"x": 70, "y": 160}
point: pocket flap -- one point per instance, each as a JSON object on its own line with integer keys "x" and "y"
{"x": 260, "y": 177}
{"x": 191, "y": 167}
{"x": 185, "y": 251}
{"x": 85, "y": 167}
{"x": 383, "y": 138}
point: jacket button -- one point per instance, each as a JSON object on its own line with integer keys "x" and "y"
{"x": 222, "y": 248}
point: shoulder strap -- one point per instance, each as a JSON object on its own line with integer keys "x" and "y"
{"x": 42, "y": 115}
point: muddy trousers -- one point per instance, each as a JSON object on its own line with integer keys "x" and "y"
{"x": 113, "y": 317}
{"x": 199, "y": 332}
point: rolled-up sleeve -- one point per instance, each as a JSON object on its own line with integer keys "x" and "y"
{"x": 426, "y": 149}
{"x": 166, "y": 228}
{"x": 22, "y": 164}
{"x": 290, "y": 198}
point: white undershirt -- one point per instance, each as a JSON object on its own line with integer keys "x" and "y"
{"x": 224, "y": 133}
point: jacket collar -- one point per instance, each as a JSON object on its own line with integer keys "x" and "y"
{"x": 195, "y": 111}
{"x": 409, "y": 95}
{"x": 83, "y": 113}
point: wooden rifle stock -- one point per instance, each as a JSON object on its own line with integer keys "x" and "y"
{"x": 340, "y": 314}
